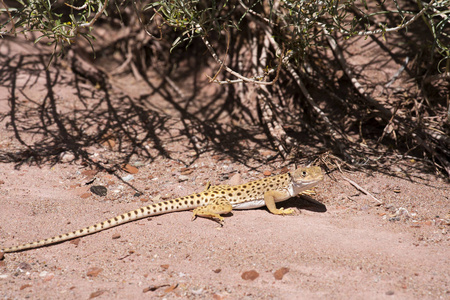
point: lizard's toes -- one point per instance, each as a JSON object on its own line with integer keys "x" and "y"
{"x": 286, "y": 211}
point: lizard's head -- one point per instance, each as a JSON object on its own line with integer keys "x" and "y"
{"x": 306, "y": 177}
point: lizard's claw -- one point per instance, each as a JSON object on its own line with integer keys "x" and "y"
{"x": 285, "y": 211}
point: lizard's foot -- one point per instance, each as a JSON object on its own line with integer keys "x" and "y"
{"x": 214, "y": 209}
{"x": 284, "y": 211}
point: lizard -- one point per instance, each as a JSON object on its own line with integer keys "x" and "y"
{"x": 212, "y": 202}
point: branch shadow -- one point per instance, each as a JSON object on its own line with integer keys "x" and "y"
{"x": 54, "y": 112}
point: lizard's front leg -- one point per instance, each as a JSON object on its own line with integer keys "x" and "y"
{"x": 269, "y": 199}
{"x": 214, "y": 209}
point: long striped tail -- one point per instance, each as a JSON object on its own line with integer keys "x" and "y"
{"x": 168, "y": 206}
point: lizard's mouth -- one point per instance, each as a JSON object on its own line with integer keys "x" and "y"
{"x": 303, "y": 185}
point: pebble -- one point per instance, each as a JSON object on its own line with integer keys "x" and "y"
{"x": 280, "y": 273}
{"x": 250, "y": 275}
{"x": 198, "y": 291}
{"x": 99, "y": 190}
{"x": 43, "y": 274}
{"x": 182, "y": 178}
{"x": 390, "y": 293}
{"x": 130, "y": 169}
{"x": 267, "y": 173}
{"x": 67, "y": 157}
{"x": 23, "y": 266}
{"x": 186, "y": 171}
{"x": 93, "y": 272}
{"x": 85, "y": 195}
{"x": 25, "y": 286}
{"x": 96, "y": 294}
{"x": 128, "y": 178}
{"x": 75, "y": 241}
{"x": 89, "y": 172}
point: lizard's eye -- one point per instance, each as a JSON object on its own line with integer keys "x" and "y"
{"x": 304, "y": 173}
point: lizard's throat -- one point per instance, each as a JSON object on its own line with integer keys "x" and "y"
{"x": 297, "y": 188}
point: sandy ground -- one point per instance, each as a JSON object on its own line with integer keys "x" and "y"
{"x": 341, "y": 245}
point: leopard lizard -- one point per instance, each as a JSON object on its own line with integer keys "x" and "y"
{"x": 212, "y": 203}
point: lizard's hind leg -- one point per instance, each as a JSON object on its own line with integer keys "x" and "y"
{"x": 214, "y": 209}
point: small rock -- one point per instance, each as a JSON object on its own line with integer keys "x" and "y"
{"x": 130, "y": 169}
{"x": 182, "y": 178}
{"x": 85, "y": 195}
{"x": 25, "y": 286}
{"x": 23, "y": 266}
{"x": 93, "y": 272}
{"x": 2, "y": 254}
{"x": 96, "y": 294}
{"x": 198, "y": 291}
{"x": 49, "y": 277}
{"x": 127, "y": 178}
{"x": 67, "y": 157}
{"x": 99, "y": 190}
{"x": 75, "y": 241}
{"x": 284, "y": 170}
{"x": 89, "y": 172}
{"x": 2, "y": 182}
{"x": 267, "y": 173}
{"x": 186, "y": 171}
{"x": 250, "y": 275}
{"x": 165, "y": 267}
{"x": 116, "y": 236}
{"x": 43, "y": 274}
{"x": 280, "y": 273}
{"x": 390, "y": 293}
{"x": 217, "y": 270}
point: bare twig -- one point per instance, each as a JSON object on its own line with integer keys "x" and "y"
{"x": 10, "y": 18}
{"x": 372, "y": 32}
{"x": 77, "y": 7}
{"x": 358, "y": 187}
{"x": 399, "y": 71}
{"x": 255, "y": 79}
{"x": 224, "y": 60}
{"x": 97, "y": 15}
